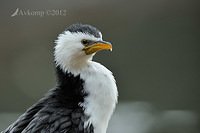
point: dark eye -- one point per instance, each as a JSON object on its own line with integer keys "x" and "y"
{"x": 85, "y": 42}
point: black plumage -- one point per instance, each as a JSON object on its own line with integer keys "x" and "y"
{"x": 58, "y": 111}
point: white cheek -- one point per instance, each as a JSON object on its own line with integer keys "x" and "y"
{"x": 68, "y": 50}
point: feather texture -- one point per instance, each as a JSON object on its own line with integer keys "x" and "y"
{"x": 58, "y": 111}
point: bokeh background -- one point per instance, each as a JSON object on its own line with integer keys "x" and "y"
{"x": 155, "y": 58}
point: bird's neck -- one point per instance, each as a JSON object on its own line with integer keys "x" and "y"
{"x": 70, "y": 85}
{"x": 72, "y": 63}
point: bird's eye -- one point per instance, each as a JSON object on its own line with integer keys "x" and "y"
{"x": 85, "y": 42}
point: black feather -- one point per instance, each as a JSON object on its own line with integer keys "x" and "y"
{"x": 58, "y": 111}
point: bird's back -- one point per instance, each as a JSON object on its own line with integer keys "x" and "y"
{"x": 58, "y": 111}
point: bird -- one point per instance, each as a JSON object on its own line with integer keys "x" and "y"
{"x": 85, "y": 95}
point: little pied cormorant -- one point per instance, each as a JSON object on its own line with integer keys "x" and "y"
{"x": 86, "y": 93}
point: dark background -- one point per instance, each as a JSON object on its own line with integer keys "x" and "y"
{"x": 155, "y": 56}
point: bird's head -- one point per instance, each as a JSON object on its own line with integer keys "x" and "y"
{"x": 77, "y": 45}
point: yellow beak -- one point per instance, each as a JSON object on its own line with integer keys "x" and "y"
{"x": 97, "y": 46}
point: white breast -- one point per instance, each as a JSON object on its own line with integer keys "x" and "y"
{"x": 100, "y": 103}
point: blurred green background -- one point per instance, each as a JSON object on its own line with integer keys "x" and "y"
{"x": 155, "y": 57}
